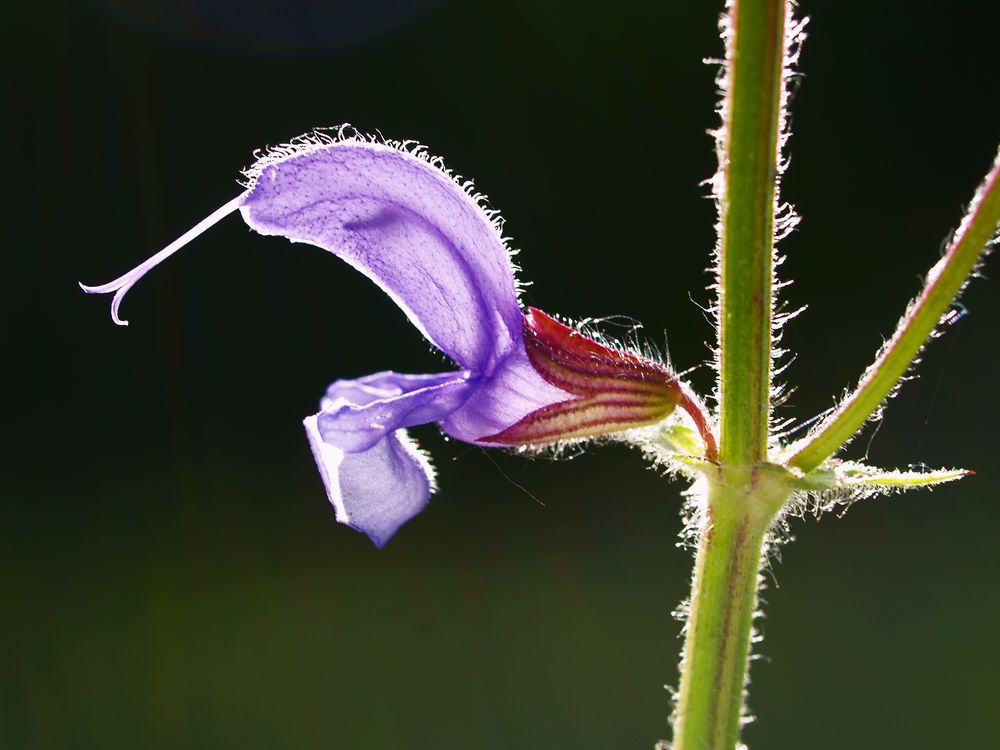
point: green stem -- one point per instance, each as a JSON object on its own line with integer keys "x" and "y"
{"x": 746, "y": 187}
{"x": 944, "y": 281}
{"x": 741, "y": 502}
{"x": 740, "y": 508}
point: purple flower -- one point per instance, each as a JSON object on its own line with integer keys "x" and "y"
{"x": 427, "y": 240}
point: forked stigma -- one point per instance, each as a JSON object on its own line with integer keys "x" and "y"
{"x": 122, "y": 284}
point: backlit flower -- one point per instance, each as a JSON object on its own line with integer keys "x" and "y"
{"x": 401, "y": 219}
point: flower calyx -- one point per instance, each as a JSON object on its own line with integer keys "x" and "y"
{"x": 612, "y": 390}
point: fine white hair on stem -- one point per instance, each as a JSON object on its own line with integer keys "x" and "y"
{"x": 122, "y": 284}
{"x": 783, "y": 214}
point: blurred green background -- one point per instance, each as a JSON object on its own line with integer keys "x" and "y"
{"x": 170, "y": 571}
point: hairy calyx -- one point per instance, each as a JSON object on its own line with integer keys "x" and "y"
{"x": 612, "y": 390}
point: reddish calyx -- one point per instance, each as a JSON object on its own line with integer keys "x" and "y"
{"x": 612, "y": 390}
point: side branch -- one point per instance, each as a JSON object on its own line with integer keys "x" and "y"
{"x": 746, "y": 186}
{"x": 944, "y": 281}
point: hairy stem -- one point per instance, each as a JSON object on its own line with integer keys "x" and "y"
{"x": 746, "y": 188}
{"x": 740, "y": 506}
{"x": 944, "y": 281}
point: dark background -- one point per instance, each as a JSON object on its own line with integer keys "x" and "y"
{"x": 170, "y": 571}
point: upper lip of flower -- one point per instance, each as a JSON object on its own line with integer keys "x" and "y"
{"x": 435, "y": 248}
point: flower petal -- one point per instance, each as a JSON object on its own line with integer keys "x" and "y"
{"x": 375, "y": 477}
{"x": 357, "y": 414}
{"x": 406, "y": 224}
{"x": 378, "y": 490}
{"x": 379, "y": 385}
{"x": 498, "y": 402}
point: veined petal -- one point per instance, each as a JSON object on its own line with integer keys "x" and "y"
{"x": 378, "y": 490}
{"x": 406, "y": 224}
{"x": 378, "y": 385}
{"x": 397, "y": 216}
{"x": 514, "y": 391}
{"x": 356, "y": 414}
{"x": 375, "y": 477}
